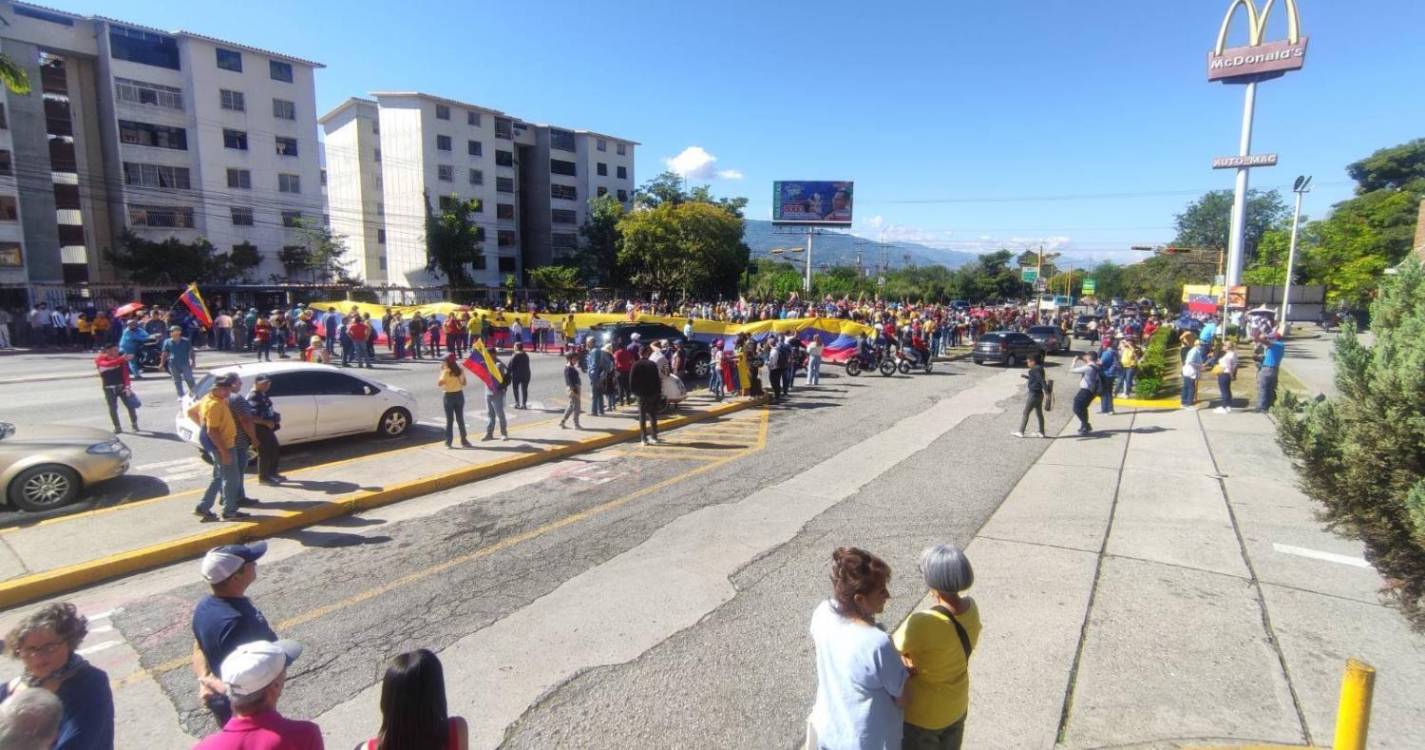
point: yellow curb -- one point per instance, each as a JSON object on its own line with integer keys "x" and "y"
{"x": 63, "y": 580}
{"x": 1149, "y": 403}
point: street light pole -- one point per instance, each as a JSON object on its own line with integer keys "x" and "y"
{"x": 1301, "y": 187}
{"x": 808, "y": 272}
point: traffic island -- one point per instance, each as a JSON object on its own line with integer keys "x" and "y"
{"x": 63, "y": 554}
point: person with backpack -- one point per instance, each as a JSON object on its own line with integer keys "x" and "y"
{"x": 936, "y": 644}
{"x": 495, "y": 403}
{"x": 1088, "y": 387}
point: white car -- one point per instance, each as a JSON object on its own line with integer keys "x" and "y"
{"x": 316, "y": 402}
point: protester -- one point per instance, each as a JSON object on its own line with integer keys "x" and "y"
{"x": 1273, "y": 352}
{"x": 519, "y": 376}
{"x": 1224, "y": 365}
{"x": 814, "y": 352}
{"x": 452, "y": 382}
{"x": 361, "y": 337}
{"x": 571, "y": 383}
{"x": 624, "y": 358}
{"x": 413, "y": 707}
{"x": 218, "y": 436}
{"x": 495, "y": 403}
{"x": 114, "y": 379}
{"x": 254, "y": 675}
{"x": 1088, "y": 388}
{"x": 225, "y": 619}
{"x": 1108, "y": 371}
{"x": 861, "y": 682}
{"x": 245, "y": 418}
{"x": 262, "y": 338}
{"x": 1128, "y": 367}
{"x": 937, "y": 644}
{"x": 594, "y": 364}
{"x": 29, "y": 720}
{"x": 1035, "y": 402}
{"x": 646, "y": 384}
{"x": 5, "y": 320}
{"x": 266, "y": 421}
{"x": 715, "y": 369}
{"x": 131, "y": 342}
{"x": 47, "y": 643}
{"x": 776, "y": 364}
{"x": 1192, "y": 370}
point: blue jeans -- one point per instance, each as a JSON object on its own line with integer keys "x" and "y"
{"x": 814, "y": 370}
{"x": 1126, "y": 381}
{"x": 227, "y": 480}
{"x": 181, "y": 374}
{"x": 495, "y": 409}
{"x": 1105, "y": 394}
{"x": 1189, "y": 391}
{"x": 596, "y": 404}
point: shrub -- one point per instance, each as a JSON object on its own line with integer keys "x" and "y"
{"x": 1155, "y": 365}
{"x": 1362, "y": 454}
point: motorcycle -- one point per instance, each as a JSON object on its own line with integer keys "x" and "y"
{"x": 150, "y": 355}
{"x": 860, "y": 362}
{"x": 908, "y": 359}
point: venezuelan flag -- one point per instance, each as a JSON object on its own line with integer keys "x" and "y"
{"x": 192, "y": 300}
{"x": 481, "y": 363}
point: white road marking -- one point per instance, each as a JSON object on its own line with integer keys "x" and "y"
{"x": 101, "y": 629}
{"x": 164, "y": 464}
{"x": 1319, "y": 555}
{"x": 186, "y": 475}
{"x": 98, "y": 647}
{"x": 105, "y": 614}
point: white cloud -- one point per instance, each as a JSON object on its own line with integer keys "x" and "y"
{"x": 696, "y": 163}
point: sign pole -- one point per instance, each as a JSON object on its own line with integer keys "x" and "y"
{"x": 1236, "y": 239}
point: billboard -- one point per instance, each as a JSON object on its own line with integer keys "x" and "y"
{"x": 812, "y": 202}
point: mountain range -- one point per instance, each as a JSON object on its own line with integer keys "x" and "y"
{"x": 835, "y": 248}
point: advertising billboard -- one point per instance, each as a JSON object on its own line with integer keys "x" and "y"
{"x": 812, "y": 202}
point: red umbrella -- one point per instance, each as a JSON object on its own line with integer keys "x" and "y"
{"x": 128, "y": 309}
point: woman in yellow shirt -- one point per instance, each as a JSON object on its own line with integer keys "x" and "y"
{"x": 937, "y": 643}
{"x": 452, "y": 381}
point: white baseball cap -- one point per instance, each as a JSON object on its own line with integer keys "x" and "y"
{"x": 221, "y": 562}
{"x": 253, "y": 666}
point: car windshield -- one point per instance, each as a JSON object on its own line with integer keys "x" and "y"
{"x": 991, "y": 338}
{"x": 201, "y": 389}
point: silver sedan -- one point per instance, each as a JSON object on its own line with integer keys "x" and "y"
{"x": 45, "y": 466}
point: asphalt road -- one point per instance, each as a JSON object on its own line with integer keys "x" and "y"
{"x": 634, "y": 597}
{"x": 163, "y": 464}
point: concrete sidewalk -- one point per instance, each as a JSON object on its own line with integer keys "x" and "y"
{"x": 66, "y": 553}
{"x": 1164, "y": 584}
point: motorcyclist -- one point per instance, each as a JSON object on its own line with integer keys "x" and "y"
{"x": 132, "y": 342}
{"x": 919, "y": 349}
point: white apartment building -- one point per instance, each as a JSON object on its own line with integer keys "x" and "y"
{"x": 384, "y": 155}
{"x": 159, "y": 133}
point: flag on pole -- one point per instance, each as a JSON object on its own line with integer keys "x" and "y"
{"x": 192, "y": 300}
{"x": 481, "y": 363}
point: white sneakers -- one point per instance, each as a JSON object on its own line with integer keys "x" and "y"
{"x": 1017, "y": 434}
{"x": 1039, "y": 435}
{"x": 1223, "y": 410}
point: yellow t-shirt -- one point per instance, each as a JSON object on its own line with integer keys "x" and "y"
{"x": 1127, "y": 357}
{"x": 84, "y": 325}
{"x": 451, "y": 383}
{"x": 215, "y": 416}
{"x": 940, "y": 688}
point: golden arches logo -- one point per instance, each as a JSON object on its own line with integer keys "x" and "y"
{"x": 1257, "y": 22}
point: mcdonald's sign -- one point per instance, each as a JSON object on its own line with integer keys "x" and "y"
{"x": 1260, "y": 60}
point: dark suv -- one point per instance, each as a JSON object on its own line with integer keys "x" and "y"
{"x": 698, "y": 359}
{"x": 1008, "y": 347}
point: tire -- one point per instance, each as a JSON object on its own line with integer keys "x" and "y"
{"x": 904, "y": 367}
{"x": 979, "y": 361}
{"x": 888, "y": 367}
{"x": 1009, "y": 360}
{"x": 394, "y": 423}
{"x": 853, "y": 367}
{"x": 44, "y": 487}
{"x": 702, "y": 368}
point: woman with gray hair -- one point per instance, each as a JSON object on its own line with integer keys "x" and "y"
{"x": 46, "y": 643}
{"x": 936, "y": 643}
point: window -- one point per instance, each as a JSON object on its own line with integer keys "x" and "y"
{"x": 622, "y": 149}
{"x": 381, "y": 236}
{"x": 504, "y": 128}
{"x": 602, "y": 191}
{"x": 376, "y": 127}
{"x": 235, "y": 139}
{"x": 474, "y": 148}
{"x": 447, "y": 202}
{"x": 623, "y": 196}
{"x": 472, "y": 119}
{"x": 6, "y": 166}
{"x": 564, "y": 192}
{"x": 378, "y": 155}
{"x": 156, "y": 176}
{"x": 66, "y": 197}
{"x": 558, "y": 166}
{"x": 504, "y": 210}
{"x": 564, "y": 216}
{"x": 230, "y": 60}
{"x": 561, "y": 139}
{"x": 143, "y": 47}
{"x": 175, "y": 217}
{"x": 442, "y": 112}
{"x": 232, "y": 100}
{"x": 289, "y": 183}
{"x": 442, "y": 143}
{"x": 623, "y": 173}
{"x": 507, "y": 264}
{"x": 477, "y": 177}
{"x": 564, "y": 241}
{"x": 479, "y": 264}
{"x": 505, "y": 158}
{"x": 323, "y": 178}
{"x": 602, "y": 169}
{"x": 240, "y": 178}
{"x": 9, "y": 208}
{"x": 284, "y": 110}
{"x": 381, "y": 262}
{"x": 444, "y": 172}
{"x": 291, "y": 219}
{"x": 138, "y": 92}
{"x": 603, "y": 145}
{"x": 4, "y": 123}
{"x": 158, "y": 136}
{"x": 505, "y": 238}
{"x": 280, "y": 71}
{"x": 286, "y": 146}
{"x": 505, "y": 184}
{"x": 242, "y": 217}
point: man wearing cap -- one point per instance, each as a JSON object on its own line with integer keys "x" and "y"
{"x": 178, "y": 358}
{"x": 244, "y": 416}
{"x": 226, "y": 619}
{"x": 1272, "y": 352}
{"x": 254, "y": 674}
{"x": 218, "y": 435}
{"x": 266, "y": 421}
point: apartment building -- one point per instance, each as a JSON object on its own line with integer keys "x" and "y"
{"x": 386, "y": 154}
{"x": 165, "y": 134}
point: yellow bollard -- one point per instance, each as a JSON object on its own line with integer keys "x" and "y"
{"x": 1353, "y": 714}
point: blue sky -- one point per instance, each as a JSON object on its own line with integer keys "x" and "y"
{"x": 965, "y": 125}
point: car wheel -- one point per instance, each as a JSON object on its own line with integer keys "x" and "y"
{"x": 1009, "y": 360}
{"x": 394, "y": 422}
{"x": 702, "y": 367}
{"x": 44, "y": 487}
{"x": 979, "y": 361}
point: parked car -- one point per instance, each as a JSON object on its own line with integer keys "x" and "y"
{"x": 1049, "y": 338}
{"x": 1086, "y": 327}
{"x": 316, "y": 402}
{"x": 1007, "y": 347}
{"x": 45, "y": 466}
{"x": 699, "y": 358}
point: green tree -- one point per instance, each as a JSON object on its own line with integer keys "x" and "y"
{"x": 560, "y": 282}
{"x": 1363, "y": 236}
{"x": 1362, "y": 454}
{"x": 324, "y": 257}
{"x": 13, "y": 75}
{"x": 1206, "y": 223}
{"x": 597, "y": 258}
{"x": 454, "y": 242}
{"x": 1392, "y": 168}
{"x": 1030, "y": 259}
{"x": 172, "y": 261}
{"x": 667, "y": 187}
{"x": 689, "y": 248}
